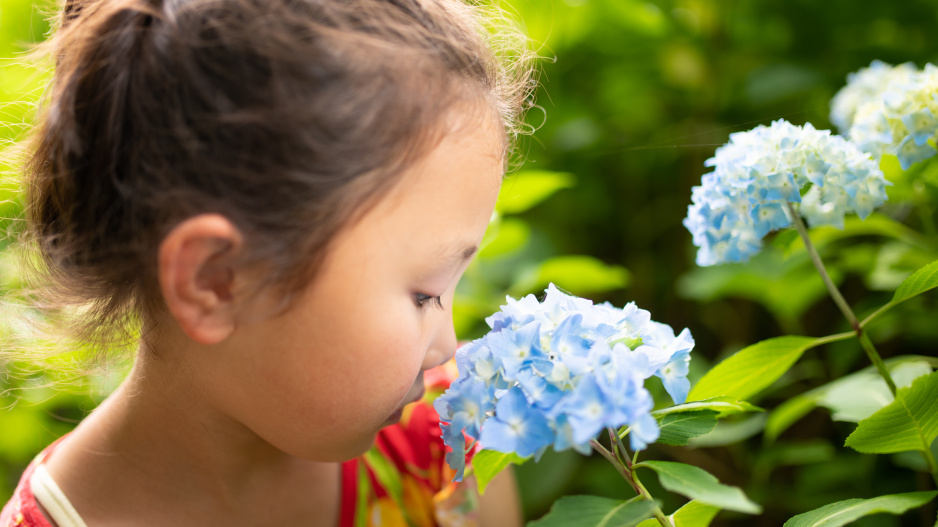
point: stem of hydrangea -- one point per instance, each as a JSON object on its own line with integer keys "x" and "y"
{"x": 624, "y": 467}
{"x": 865, "y": 341}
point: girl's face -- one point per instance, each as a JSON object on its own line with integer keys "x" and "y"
{"x": 319, "y": 381}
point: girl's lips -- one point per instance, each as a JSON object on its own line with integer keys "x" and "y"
{"x": 396, "y": 415}
{"x": 416, "y": 391}
{"x": 419, "y": 395}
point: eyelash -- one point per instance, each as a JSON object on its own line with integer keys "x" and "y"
{"x": 423, "y": 301}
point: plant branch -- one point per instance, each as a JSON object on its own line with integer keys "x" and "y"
{"x": 865, "y": 341}
{"x": 624, "y": 468}
{"x": 876, "y": 314}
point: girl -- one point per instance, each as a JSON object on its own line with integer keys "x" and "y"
{"x": 283, "y": 194}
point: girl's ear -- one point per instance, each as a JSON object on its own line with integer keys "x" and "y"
{"x": 197, "y": 276}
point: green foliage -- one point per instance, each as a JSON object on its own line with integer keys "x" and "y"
{"x": 692, "y": 514}
{"x": 754, "y": 368}
{"x": 785, "y": 287}
{"x": 487, "y": 464}
{"x": 908, "y": 423}
{"x": 851, "y": 398}
{"x": 922, "y": 280}
{"x": 677, "y": 428}
{"x": 527, "y": 188}
{"x": 698, "y": 484}
{"x": 875, "y": 225}
{"x": 505, "y": 236}
{"x": 724, "y": 406}
{"x": 847, "y": 511}
{"x": 638, "y": 97}
{"x": 594, "y": 511}
{"x": 580, "y": 275}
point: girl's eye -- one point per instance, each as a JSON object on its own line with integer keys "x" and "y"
{"x": 424, "y": 301}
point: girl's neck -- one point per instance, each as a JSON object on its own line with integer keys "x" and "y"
{"x": 157, "y": 449}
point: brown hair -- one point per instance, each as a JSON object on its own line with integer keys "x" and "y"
{"x": 285, "y": 116}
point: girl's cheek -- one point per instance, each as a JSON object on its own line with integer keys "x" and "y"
{"x": 398, "y": 349}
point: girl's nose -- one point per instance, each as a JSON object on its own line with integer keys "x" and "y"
{"x": 443, "y": 346}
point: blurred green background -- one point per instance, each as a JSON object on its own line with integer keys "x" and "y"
{"x": 635, "y": 96}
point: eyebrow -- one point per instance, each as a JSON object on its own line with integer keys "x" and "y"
{"x": 460, "y": 254}
{"x": 467, "y": 253}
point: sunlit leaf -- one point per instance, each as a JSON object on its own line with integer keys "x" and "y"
{"x": 509, "y": 235}
{"x": 698, "y": 484}
{"x": 754, "y": 368}
{"x": 580, "y": 275}
{"x": 851, "y": 398}
{"x": 859, "y": 396}
{"x": 919, "y": 282}
{"x": 922, "y": 280}
{"x": 594, "y": 511}
{"x": 527, "y": 188}
{"x": 844, "y": 512}
{"x": 908, "y": 423}
{"x": 487, "y": 464}
{"x": 692, "y": 514}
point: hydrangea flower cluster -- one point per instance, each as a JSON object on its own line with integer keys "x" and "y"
{"x": 758, "y": 171}
{"x": 862, "y": 87}
{"x": 900, "y": 119}
{"x": 555, "y": 373}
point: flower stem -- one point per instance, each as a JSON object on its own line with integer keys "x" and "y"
{"x": 624, "y": 467}
{"x": 865, "y": 341}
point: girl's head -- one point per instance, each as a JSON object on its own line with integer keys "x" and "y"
{"x": 345, "y": 155}
{"x": 289, "y": 118}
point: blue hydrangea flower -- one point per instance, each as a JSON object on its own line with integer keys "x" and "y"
{"x": 757, "y": 173}
{"x": 895, "y": 115}
{"x": 555, "y": 373}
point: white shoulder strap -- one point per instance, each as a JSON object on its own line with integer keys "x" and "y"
{"x": 51, "y": 497}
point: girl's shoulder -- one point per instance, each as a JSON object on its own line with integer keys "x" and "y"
{"x": 403, "y": 480}
{"x": 23, "y": 508}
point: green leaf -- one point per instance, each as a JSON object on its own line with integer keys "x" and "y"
{"x": 851, "y": 398}
{"x": 508, "y": 235}
{"x": 698, "y": 484}
{"x": 580, "y": 275}
{"x": 844, "y": 512}
{"x": 487, "y": 464}
{"x": 908, "y": 423}
{"x": 787, "y": 414}
{"x": 677, "y": 428}
{"x": 922, "y": 280}
{"x": 594, "y": 511}
{"x": 724, "y": 406}
{"x": 525, "y": 189}
{"x": 692, "y": 514}
{"x": 858, "y": 396}
{"x": 754, "y": 368}
{"x": 727, "y": 432}
{"x": 919, "y": 282}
